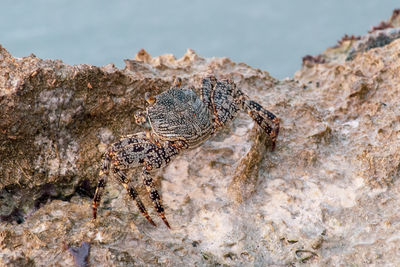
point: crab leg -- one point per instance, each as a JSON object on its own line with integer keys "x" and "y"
{"x": 132, "y": 193}
{"x": 104, "y": 171}
{"x": 121, "y": 176}
{"x": 154, "y": 196}
{"x": 264, "y": 118}
{"x": 208, "y": 85}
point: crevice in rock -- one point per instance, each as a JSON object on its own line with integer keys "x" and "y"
{"x": 15, "y": 216}
{"x": 26, "y": 202}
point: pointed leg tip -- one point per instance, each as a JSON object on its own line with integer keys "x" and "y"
{"x": 273, "y": 146}
{"x": 94, "y": 213}
{"x": 162, "y": 215}
{"x": 167, "y": 224}
{"x": 151, "y": 221}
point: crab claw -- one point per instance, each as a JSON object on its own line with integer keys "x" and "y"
{"x": 140, "y": 117}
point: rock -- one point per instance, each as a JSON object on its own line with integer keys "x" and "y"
{"x": 349, "y": 46}
{"x": 327, "y": 195}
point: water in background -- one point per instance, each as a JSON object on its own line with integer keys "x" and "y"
{"x": 270, "y": 35}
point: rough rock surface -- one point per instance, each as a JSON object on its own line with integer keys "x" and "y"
{"x": 327, "y": 195}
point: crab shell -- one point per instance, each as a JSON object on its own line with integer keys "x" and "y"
{"x": 179, "y": 114}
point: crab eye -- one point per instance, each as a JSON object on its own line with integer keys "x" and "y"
{"x": 149, "y": 99}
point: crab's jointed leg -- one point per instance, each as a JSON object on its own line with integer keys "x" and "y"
{"x": 137, "y": 151}
{"x": 224, "y": 100}
{"x": 208, "y": 85}
{"x": 132, "y": 193}
{"x": 122, "y": 178}
{"x": 264, "y": 118}
{"x": 159, "y": 157}
{"x": 219, "y": 96}
{"x": 103, "y": 174}
{"x": 154, "y": 196}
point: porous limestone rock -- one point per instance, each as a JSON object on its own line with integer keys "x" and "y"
{"x": 327, "y": 195}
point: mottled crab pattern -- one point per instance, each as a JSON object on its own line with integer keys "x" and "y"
{"x": 179, "y": 119}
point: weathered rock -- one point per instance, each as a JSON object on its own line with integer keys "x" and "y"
{"x": 328, "y": 194}
{"x": 349, "y": 46}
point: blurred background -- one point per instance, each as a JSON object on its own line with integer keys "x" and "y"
{"x": 266, "y": 34}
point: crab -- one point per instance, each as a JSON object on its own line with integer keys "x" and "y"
{"x": 178, "y": 119}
